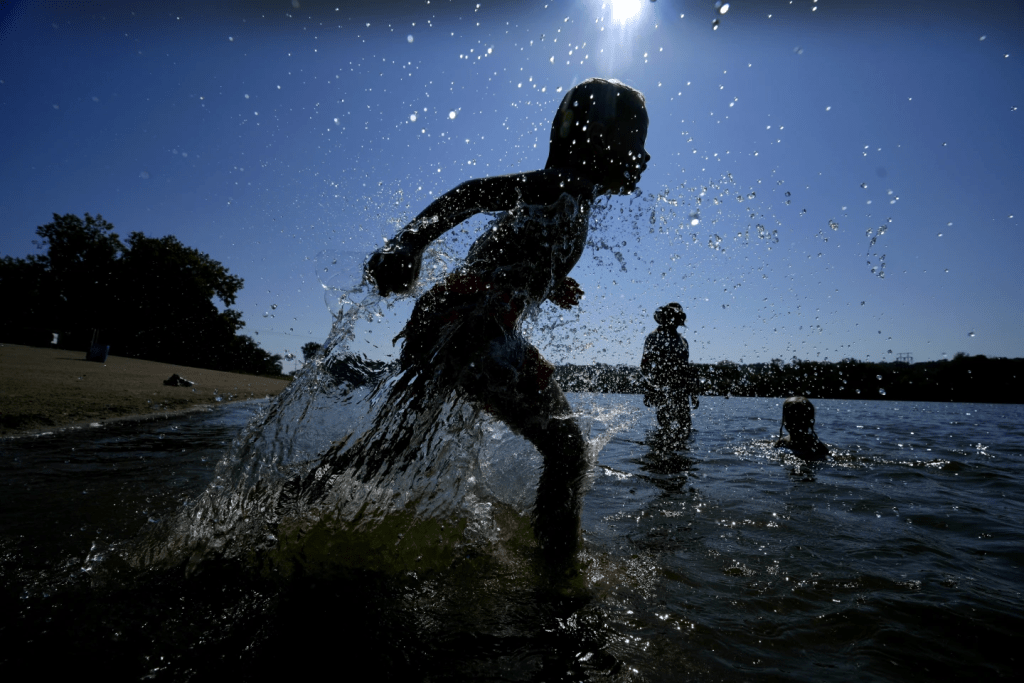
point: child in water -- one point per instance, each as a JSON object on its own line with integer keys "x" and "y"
{"x": 665, "y": 365}
{"x": 798, "y": 420}
{"x": 464, "y": 334}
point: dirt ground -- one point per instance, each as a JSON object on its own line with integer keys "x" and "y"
{"x": 45, "y": 389}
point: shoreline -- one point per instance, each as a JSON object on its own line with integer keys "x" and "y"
{"x": 100, "y": 423}
{"x": 44, "y": 390}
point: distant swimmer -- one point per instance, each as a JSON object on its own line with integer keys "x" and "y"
{"x": 669, "y": 385}
{"x": 464, "y": 334}
{"x": 798, "y": 420}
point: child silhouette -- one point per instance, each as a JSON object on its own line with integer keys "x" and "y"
{"x": 464, "y": 334}
{"x": 668, "y": 376}
{"x": 798, "y": 420}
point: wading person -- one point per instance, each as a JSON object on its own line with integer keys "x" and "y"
{"x": 668, "y": 376}
{"x": 798, "y": 420}
{"x": 464, "y": 334}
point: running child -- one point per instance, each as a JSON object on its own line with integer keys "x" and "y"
{"x": 464, "y": 335}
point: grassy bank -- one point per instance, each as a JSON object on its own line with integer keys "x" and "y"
{"x": 42, "y": 389}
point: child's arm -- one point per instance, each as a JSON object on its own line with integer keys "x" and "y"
{"x": 396, "y": 267}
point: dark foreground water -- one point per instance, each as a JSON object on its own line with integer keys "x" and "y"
{"x": 898, "y": 559}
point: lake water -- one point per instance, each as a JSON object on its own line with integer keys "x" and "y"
{"x": 897, "y": 559}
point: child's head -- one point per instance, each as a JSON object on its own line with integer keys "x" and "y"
{"x": 797, "y": 415}
{"x": 670, "y": 315}
{"x": 601, "y": 128}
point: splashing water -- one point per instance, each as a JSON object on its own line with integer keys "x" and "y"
{"x": 350, "y": 468}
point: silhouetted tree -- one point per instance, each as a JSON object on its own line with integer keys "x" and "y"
{"x": 151, "y": 298}
{"x": 68, "y": 288}
{"x": 309, "y": 351}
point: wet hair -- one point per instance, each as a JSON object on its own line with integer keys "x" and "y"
{"x": 593, "y": 100}
{"x": 797, "y": 415}
{"x": 671, "y": 315}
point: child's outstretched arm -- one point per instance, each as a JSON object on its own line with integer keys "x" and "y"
{"x": 395, "y": 267}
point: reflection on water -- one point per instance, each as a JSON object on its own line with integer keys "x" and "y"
{"x": 898, "y": 558}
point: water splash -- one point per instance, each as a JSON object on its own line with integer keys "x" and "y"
{"x": 402, "y": 477}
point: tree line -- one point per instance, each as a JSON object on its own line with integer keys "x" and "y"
{"x": 146, "y": 297}
{"x": 968, "y": 379}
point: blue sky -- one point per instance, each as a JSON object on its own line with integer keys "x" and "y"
{"x": 269, "y": 133}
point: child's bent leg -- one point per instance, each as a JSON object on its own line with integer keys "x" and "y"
{"x": 537, "y": 409}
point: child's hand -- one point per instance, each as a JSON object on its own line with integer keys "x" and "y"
{"x": 394, "y": 269}
{"x": 567, "y": 295}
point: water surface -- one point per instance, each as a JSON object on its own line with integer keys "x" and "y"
{"x": 897, "y": 559}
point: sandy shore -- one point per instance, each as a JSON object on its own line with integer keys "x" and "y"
{"x": 44, "y": 389}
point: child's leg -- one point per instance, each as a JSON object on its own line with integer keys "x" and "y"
{"x": 533, "y": 405}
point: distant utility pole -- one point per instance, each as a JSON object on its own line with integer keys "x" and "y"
{"x": 904, "y": 358}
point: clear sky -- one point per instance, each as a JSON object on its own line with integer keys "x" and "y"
{"x": 878, "y": 145}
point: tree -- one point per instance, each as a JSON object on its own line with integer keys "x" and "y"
{"x": 167, "y": 297}
{"x": 68, "y": 288}
{"x": 151, "y": 298}
{"x": 309, "y": 351}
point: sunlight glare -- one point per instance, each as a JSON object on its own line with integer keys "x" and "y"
{"x": 624, "y": 10}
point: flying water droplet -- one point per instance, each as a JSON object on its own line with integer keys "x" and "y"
{"x": 970, "y": 334}
{"x": 412, "y": 117}
{"x": 410, "y": 38}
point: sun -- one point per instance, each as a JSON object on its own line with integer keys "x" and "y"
{"x": 624, "y": 10}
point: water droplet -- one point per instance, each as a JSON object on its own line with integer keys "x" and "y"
{"x": 878, "y": 377}
{"x": 864, "y": 185}
{"x": 714, "y": 25}
{"x": 723, "y": 7}
{"x": 940, "y": 234}
{"x": 452, "y": 114}
{"x": 833, "y": 225}
{"x": 881, "y": 391}
{"x": 409, "y": 38}
{"x": 970, "y": 334}
{"x": 144, "y": 175}
{"x": 273, "y": 306}
{"x": 751, "y": 195}
{"x": 412, "y": 117}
